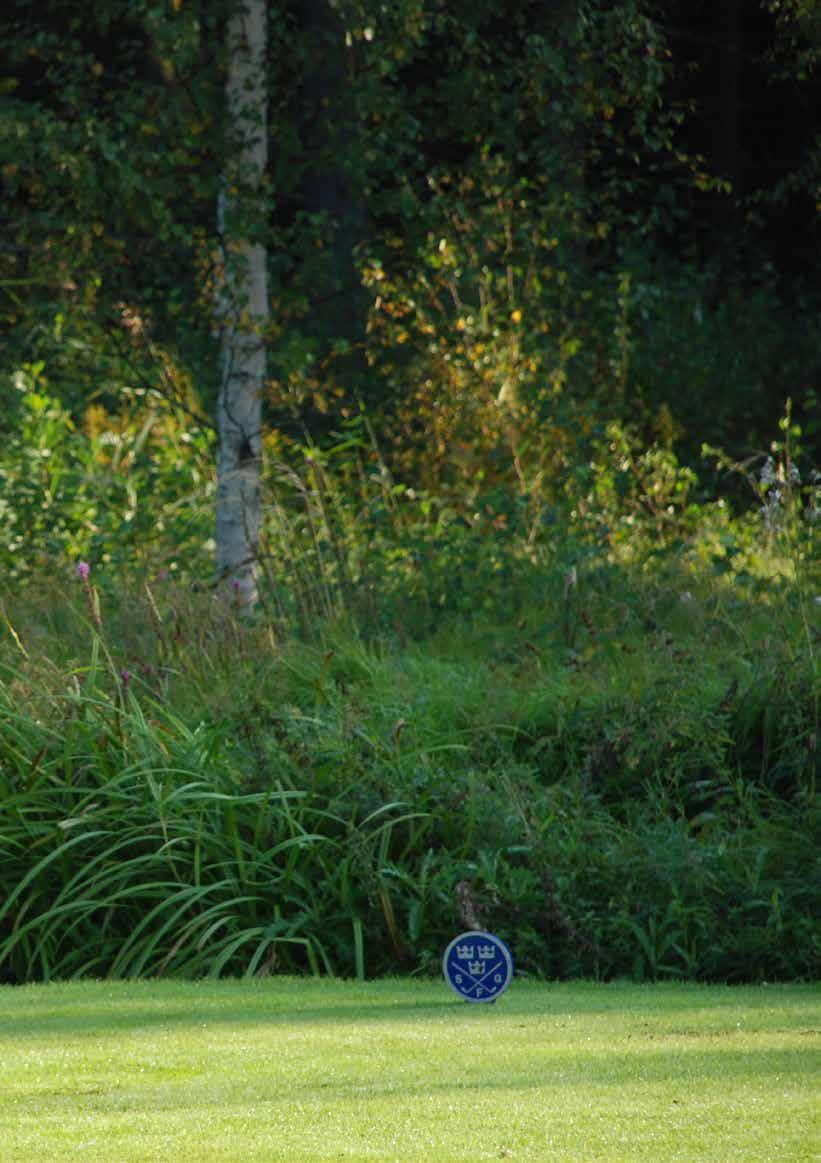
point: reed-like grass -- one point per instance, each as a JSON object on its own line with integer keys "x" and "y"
{"x": 620, "y": 781}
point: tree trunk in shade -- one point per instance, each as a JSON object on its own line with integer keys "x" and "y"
{"x": 243, "y": 306}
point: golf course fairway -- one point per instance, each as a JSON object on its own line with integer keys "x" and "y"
{"x": 303, "y": 1069}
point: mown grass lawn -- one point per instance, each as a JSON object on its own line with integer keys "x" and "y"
{"x": 288, "y": 1069}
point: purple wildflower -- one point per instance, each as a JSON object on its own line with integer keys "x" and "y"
{"x": 83, "y": 570}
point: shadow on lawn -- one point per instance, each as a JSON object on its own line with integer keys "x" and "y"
{"x": 78, "y": 1008}
{"x": 690, "y": 1068}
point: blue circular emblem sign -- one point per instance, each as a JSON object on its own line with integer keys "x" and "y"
{"x": 477, "y": 966}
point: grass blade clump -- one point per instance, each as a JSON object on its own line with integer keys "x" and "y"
{"x": 610, "y": 761}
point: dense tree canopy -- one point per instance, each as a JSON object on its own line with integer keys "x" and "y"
{"x": 494, "y": 227}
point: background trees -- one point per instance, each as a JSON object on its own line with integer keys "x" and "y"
{"x": 517, "y": 333}
{"x": 491, "y": 232}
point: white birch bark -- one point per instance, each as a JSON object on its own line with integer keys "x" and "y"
{"x": 243, "y": 307}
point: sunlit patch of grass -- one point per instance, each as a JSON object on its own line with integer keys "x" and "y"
{"x": 288, "y": 1069}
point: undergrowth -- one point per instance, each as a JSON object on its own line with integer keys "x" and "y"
{"x": 610, "y": 763}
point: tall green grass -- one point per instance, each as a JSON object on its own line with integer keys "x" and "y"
{"x": 618, "y": 777}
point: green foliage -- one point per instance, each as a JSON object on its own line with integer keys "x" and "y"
{"x": 510, "y": 661}
{"x": 465, "y": 231}
{"x": 710, "y": 350}
{"x": 468, "y": 216}
{"x": 126, "y": 488}
{"x": 620, "y": 778}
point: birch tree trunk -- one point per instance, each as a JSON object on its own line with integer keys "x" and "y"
{"x": 243, "y": 306}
